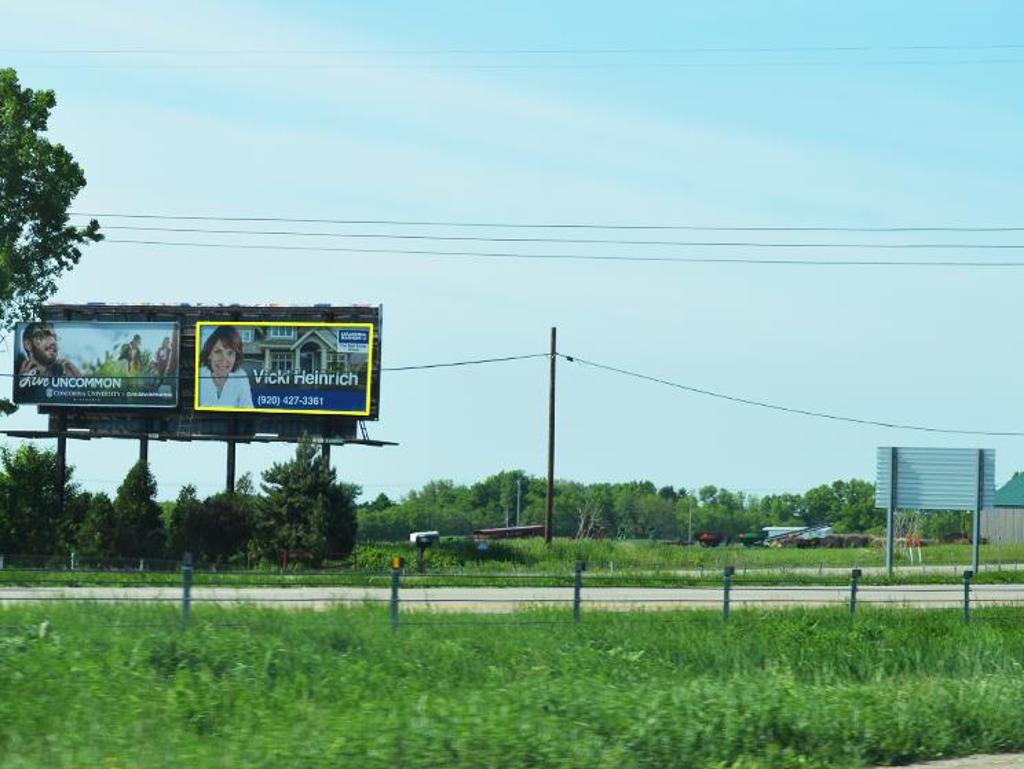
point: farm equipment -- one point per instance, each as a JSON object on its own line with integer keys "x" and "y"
{"x": 709, "y": 538}
{"x": 796, "y": 535}
{"x": 751, "y": 538}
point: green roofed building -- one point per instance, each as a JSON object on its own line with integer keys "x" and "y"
{"x": 1005, "y": 524}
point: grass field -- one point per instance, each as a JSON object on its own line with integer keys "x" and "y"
{"x": 119, "y": 686}
{"x": 529, "y": 562}
{"x": 614, "y": 555}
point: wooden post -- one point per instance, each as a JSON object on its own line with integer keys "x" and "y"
{"x": 549, "y": 505}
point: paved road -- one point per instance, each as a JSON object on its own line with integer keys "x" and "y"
{"x": 504, "y": 599}
{"x": 952, "y": 570}
{"x": 1008, "y": 761}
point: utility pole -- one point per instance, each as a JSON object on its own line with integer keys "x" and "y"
{"x": 519, "y": 497}
{"x": 550, "y": 503}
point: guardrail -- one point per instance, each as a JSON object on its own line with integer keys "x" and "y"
{"x": 409, "y": 600}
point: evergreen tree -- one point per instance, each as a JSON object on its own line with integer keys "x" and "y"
{"x": 225, "y": 526}
{"x": 138, "y": 529}
{"x": 97, "y": 530}
{"x": 183, "y": 523}
{"x": 305, "y": 509}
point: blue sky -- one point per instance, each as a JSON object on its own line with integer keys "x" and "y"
{"x": 883, "y": 136}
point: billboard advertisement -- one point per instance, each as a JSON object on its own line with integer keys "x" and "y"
{"x": 96, "y": 363}
{"x": 284, "y": 367}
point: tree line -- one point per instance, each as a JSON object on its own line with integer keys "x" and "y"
{"x": 634, "y": 509}
{"x": 301, "y": 508}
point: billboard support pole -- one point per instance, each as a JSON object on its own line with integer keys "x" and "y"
{"x": 144, "y": 449}
{"x": 976, "y": 523}
{"x": 325, "y": 452}
{"x": 890, "y": 512}
{"x": 550, "y": 502}
{"x": 230, "y": 484}
{"x": 62, "y": 460}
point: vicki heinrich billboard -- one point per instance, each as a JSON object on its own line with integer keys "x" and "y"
{"x": 94, "y": 363}
{"x": 284, "y": 367}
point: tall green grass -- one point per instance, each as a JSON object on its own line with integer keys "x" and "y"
{"x": 122, "y": 686}
{"x": 453, "y": 561}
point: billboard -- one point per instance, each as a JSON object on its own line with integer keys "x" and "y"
{"x": 284, "y": 367}
{"x": 935, "y": 478}
{"x": 111, "y": 364}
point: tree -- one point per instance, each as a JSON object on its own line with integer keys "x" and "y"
{"x": 579, "y": 511}
{"x": 305, "y": 509}
{"x": 97, "y": 532}
{"x": 38, "y": 181}
{"x": 183, "y": 523}
{"x": 381, "y": 503}
{"x": 782, "y": 508}
{"x": 137, "y": 526}
{"x": 30, "y": 509}
{"x": 854, "y": 506}
{"x": 214, "y": 530}
{"x": 225, "y": 526}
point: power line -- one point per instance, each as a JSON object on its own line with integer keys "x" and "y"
{"x": 615, "y": 58}
{"x": 477, "y": 362}
{"x": 382, "y": 369}
{"x": 576, "y": 241}
{"x": 572, "y": 257}
{"x": 606, "y": 51}
{"x": 567, "y": 67}
{"x": 546, "y": 225}
{"x": 678, "y": 386}
{"x": 789, "y": 409}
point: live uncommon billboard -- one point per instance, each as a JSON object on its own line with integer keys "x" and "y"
{"x": 108, "y": 364}
{"x": 284, "y": 367}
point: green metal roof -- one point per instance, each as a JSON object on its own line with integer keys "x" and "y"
{"x": 1012, "y": 492}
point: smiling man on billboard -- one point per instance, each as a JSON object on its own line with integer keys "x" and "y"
{"x": 39, "y": 342}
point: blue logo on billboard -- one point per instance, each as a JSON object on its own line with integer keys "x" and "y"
{"x": 354, "y": 340}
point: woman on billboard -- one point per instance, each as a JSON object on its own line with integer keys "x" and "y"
{"x": 223, "y": 383}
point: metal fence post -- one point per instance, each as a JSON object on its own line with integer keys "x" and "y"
{"x": 854, "y": 578}
{"x": 577, "y": 586}
{"x": 74, "y": 560}
{"x": 1, "y": 563}
{"x": 967, "y": 595}
{"x": 395, "y": 574}
{"x": 727, "y": 573}
{"x": 186, "y": 589}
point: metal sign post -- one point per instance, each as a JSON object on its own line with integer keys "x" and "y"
{"x": 976, "y": 522}
{"x": 930, "y": 479}
{"x": 890, "y": 513}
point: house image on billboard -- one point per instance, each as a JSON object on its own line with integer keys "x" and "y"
{"x": 297, "y": 348}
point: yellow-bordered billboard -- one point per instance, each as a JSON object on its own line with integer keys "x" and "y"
{"x": 283, "y": 367}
